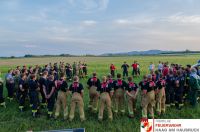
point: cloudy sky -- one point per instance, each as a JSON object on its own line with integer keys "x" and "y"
{"x": 97, "y": 26}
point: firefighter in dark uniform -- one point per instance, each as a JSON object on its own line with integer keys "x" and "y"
{"x": 179, "y": 87}
{"x": 50, "y": 95}
{"x": 93, "y": 83}
{"x": 170, "y": 80}
{"x": 125, "y": 69}
{"x": 76, "y": 89}
{"x": 22, "y": 91}
{"x": 160, "y": 95}
{"x": 43, "y": 84}
{"x": 187, "y": 79}
{"x": 61, "y": 102}
{"x": 132, "y": 92}
{"x": 143, "y": 90}
{"x": 34, "y": 94}
{"x": 110, "y": 82}
{"x": 149, "y": 100}
{"x": 119, "y": 92}
{"x": 105, "y": 93}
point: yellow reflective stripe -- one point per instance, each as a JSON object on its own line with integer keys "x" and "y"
{"x": 57, "y": 114}
{"x": 181, "y": 104}
{"x": 21, "y": 107}
{"x": 34, "y": 111}
{"x": 3, "y": 103}
{"x": 50, "y": 112}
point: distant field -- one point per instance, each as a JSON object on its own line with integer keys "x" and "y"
{"x": 12, "y": 120}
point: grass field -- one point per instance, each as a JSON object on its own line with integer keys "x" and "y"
{"x": 12, "y": 120}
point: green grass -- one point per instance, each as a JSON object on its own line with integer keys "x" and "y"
{"x": 12, "y": 120}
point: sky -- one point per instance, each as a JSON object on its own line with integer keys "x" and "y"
{"x": 97, "y": 26}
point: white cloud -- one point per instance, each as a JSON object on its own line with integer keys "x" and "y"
{"x": 89, "y": 23}
{"x": 184, "y": 19}
{"x": 89, "y": 6}
{"x": 123, "y": 21}
{"x": 30, "y": 46}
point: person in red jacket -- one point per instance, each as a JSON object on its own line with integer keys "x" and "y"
{"x": 112, "y": 70}
{"x": 165, "y": 70}
{"x": 135, "y": 69}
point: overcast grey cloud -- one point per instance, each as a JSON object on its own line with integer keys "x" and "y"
{"x": 97, "y": 26}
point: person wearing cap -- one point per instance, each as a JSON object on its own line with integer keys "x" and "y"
{"x": 194, "y": 84}
{"x": 2, "y": 102}
{"x": 105, "y": 92}
{"x": 160, "y": 95}
{"x": 131, "y": 92}
{"x": 119, "y": 92}
{"x": 149, "y": 102}
{"x": 43, "y": 84}
{"x": 93, "y": 83}
{"x": 61, "y": 88}
{"x": 34, "y": 94}
{"x": 125, "y": 69}
{"x": 22, "y": 91}
{"x": 50, "y": 95}
{"x": 76, "y": 89}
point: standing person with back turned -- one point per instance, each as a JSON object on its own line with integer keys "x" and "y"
{"x": 105, "y": 92}
{"x": 93, "y": 83}
{"x": 125, "y": 69}
{"x": 76, "y": 89}
{"x": 119, "y": 91}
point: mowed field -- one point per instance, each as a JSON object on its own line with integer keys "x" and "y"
{"x": 12, "y": 120}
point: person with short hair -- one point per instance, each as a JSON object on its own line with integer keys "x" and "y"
{"x": 22, "y": 91}
{"x": 76, "y": 89}
{"x": 119, "y": 91}
{"x": 125, "y": 67}
{"x": 178, "y": 88}
{"x": 93, "y": 83}
{"x": 160, "y": 95}
{"x": 50, "y": 95}
{"x": 69, "y": 72}
{"x": 105, "y": 92}
{"x": 61, "y": 88}
{"x": 131, "y": 92}
{"x": 149, "y": 103}
{"x": 170, "y": 93}
{"x": 43, "y": 84}
{"x": 34, "y": 94}
{"x": 84, "y": 65}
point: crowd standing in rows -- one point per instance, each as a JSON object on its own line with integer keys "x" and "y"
{"x": 167, "y": 85}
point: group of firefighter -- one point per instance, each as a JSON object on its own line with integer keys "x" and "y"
{"x": 48, "y": 87}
